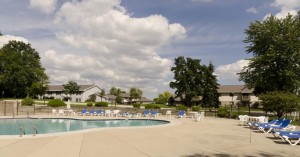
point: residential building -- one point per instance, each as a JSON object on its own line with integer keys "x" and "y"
{"x": 229, "y": 95}
{"x": 57, "y": 92}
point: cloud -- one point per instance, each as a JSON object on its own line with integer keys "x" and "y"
{"x": 6, "y": 38}
{"x": 252, "y": 10}
{"x": 45, "y": 6}
{"x": 112, "y": 48}
{"x": 228, "y": 73}
{"x": 286, "y": 7}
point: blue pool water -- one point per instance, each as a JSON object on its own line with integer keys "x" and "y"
{"x": 46, "y": 126}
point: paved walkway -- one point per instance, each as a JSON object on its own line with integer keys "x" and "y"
{"x": 182, "y": 138}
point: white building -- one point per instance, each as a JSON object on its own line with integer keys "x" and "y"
{"x": 236, "y": 94}
{"x": 229, "y": 94}
{"x": 56, "y": 92}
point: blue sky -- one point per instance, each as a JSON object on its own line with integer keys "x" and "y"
{"x": 132, "y": 43}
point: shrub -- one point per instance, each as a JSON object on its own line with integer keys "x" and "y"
{"x": 181, "y": 107}
{"x": 101, "y": 104}
{"x": 222, "y": 112}
{"x": 89, "y": 104}
{"x": 27, "y": 102}
{"x": 56, "y": 103}
{"x": 136, "y": 105}
{"x": 255, "y": 105}
{"x": 195, "y": 108}
{"x": 152, "y": 106}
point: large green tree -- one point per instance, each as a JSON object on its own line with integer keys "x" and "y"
{"x": 189, "y": 78}
{"x": 116, "y": 92}
{"x": 163, "y": 98}
{"x": 275, "y": 45}
{"x": 210, "y": 95}
{"x": 21, "y": 71}
{"x": 71, "y": 88}
{"x": 135, "y": 93}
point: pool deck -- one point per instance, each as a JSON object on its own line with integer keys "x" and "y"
{"x": 182, "y": 138}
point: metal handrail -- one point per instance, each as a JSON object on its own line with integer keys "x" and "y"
{"x": 22, "y": 131}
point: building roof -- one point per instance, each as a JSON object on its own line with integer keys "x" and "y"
{"x": 110, "y": 96}
{"x": 234, "y": 89}
{"x": 125, "y": 95}
{"x": 61, "y": 87}
{"x": 144, "y": 99}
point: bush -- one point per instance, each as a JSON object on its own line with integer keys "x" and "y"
{"x": 56, "y": 103}
{"x": 136, "y": 105}
{"x": 222, "y": 112}
{"x": 101, "y": 104}
{"x": 27, "y": 102}
{"x": 255, "y": 105}
{"x": 152, "y": 106}
{"x": 181, "y": 107}
{"x": 196, "y": 108}
{"x": 89, "y": 104}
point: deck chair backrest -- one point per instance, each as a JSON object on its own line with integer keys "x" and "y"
{"x": 272, "y": 121}
{"x": 285, "y": 123}
{"x": 279, "y": 121}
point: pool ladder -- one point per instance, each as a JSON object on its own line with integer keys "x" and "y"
{"x": 22, "y": 131}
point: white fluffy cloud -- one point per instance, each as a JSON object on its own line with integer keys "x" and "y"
{"x": 252, "y": 10}
{"x": 45, "y": 6}
{"x": 227, "y": 74}
{"x": 6, "y": 38}
{"x": 115, "y": 48}
{"x": 286, "y": 7}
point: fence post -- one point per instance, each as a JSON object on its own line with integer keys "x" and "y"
{"x": 4, "y": 108}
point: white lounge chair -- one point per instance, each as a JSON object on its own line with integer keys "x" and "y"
{"x": 107, "y": 113}
{"x": 169, "y": 113}
{"x": 61, "y": 112}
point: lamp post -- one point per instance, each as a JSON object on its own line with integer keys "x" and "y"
{"x": 44, "y": 99}
{"x": 231, "y": 104}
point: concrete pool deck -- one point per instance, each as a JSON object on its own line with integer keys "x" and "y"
{"x": 183, "y": 138}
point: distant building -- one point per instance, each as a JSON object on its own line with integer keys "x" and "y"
{"x": 127, "y": 99}
{"x": 236, "y": 94}
{"x": 228, "y": 94}
{"x": 84, "y": 93}
{"x": 56, "y": 92}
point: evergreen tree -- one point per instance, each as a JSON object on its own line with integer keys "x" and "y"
{"x": 189, "y": 78}
{"x": 210, "y": 95}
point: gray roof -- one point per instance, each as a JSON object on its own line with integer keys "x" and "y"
{"x": 234, "y": 89}
{"x": 110, "y": 96}
{"x": 125, "y": 95}
{"x": 144, "y": 99}
{"x": 61, "y": 87}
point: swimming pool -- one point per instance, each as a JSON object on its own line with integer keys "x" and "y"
{"x": 48, "y": 126}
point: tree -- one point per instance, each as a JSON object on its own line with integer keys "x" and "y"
{"x": 275, "y": 46}
{"x": 210, "y": 95}
{"x": 188, "y": 76}
{"x": 101, "y": 94}
{"x": 163, "y": 98}
{"x": 115, "y": 91}
{"x": 279, "y": 102}
{"x": 136, "y": 93}
{"x": 71, "y": 88}
{"x": 20, "y": 69}
{"x": 38, "y": 88}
